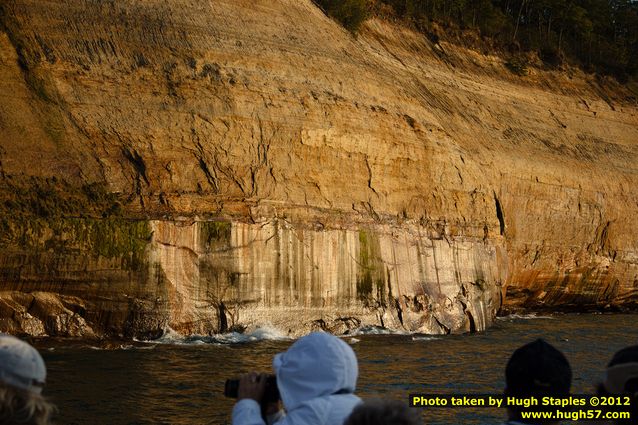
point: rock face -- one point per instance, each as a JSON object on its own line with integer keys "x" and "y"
{"x": 86, "y": 277}
{"x": 208, "y": 166}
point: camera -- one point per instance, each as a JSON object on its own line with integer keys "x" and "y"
{"x": 271, "y": 393}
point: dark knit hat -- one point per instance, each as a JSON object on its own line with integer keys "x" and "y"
{"x": 538, "y": 368}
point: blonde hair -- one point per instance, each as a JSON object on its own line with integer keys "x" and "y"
{"x": 21, "y": 407}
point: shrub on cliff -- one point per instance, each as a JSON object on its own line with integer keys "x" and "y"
{"x": 518, "y": 65}
{"x": 350, "y": 13}
{"x": 550, "y": 55}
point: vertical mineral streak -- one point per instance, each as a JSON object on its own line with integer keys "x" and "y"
{"x": 298, "y": 279}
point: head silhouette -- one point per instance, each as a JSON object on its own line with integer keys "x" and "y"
{"x": 536, "y": 369}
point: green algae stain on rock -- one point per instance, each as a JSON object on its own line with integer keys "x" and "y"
{"x": 116, "y": 238}
{"x": 55, "y": 199}
{"x": 215, "y": 235}
{"x": 370, "y": 276}
{"x": 108, "y": 238}
{"x": 364, "y": 275}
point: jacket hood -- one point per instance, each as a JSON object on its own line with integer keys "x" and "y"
{"x": 316, "y": 365}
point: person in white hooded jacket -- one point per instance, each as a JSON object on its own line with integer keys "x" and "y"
{"x": 316, "y": 377}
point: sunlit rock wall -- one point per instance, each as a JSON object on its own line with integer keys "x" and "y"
{"x": 211, "y": 277}
{"x": 377, "y": 179}
{"x": 300, "y": 279}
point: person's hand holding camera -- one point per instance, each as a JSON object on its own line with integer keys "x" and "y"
{"x": 252, "y": 385}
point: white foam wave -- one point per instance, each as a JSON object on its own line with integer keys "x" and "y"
{"x": 170, "y": 336}
{"x": 271, "y": 333}
{"x": 425, "y": 338}
{"x": 520, "y": 316}
{"x": 147, "y": 347}
{"x": 265, "y": 332}
{"x": 376, "y": 330}
{"x": 109, "y": 347}
{"x": 268, "y": 332}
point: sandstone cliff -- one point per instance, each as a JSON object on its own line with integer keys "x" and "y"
{"x": 207, "y": 166}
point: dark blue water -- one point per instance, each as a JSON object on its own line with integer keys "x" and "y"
{"x": 168, "y": 383}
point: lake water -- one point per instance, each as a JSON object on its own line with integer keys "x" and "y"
{"x": 180, "y": 381}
